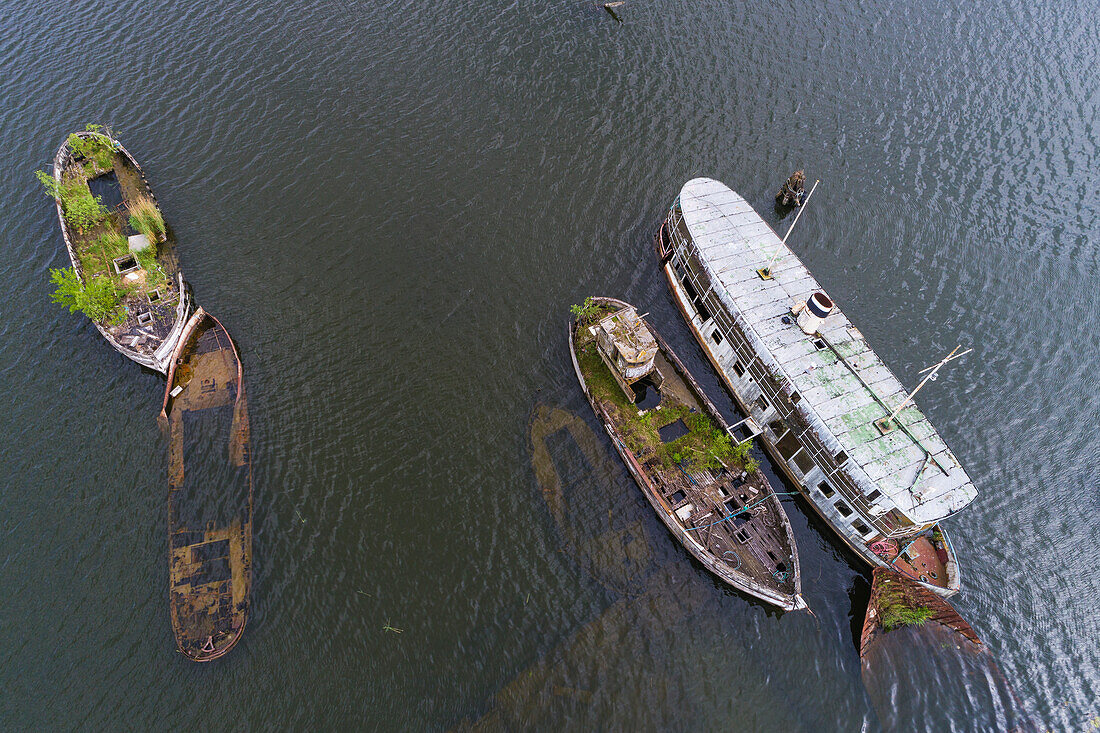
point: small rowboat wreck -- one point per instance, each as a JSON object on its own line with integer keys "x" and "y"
{"x": 817, "y": 396}
{"x": 210, "y": 491}
{"x": 119, "y": 248}
{"x": 706, "y": 489}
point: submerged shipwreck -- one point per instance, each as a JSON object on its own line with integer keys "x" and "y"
{"x": 815, "y": 393}
{"x": 918, "y": 656}
{"x": 125, "y": 276}
{"x": 705, "y": 488}
{"x": 205, "y": 414}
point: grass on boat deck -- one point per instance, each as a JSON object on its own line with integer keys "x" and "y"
{"x": 705, "y": 446}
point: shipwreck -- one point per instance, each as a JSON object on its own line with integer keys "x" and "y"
{"x": 125, "y": 276}
{"x": 829, "y": 411}
{"x": 205, "y": 414}
{"x": 704, "y": 487}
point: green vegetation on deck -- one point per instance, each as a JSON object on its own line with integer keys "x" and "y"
{"x": 704, "y": 447}
{"x": 896, "y": 609}
{"x": 97, "y": 238}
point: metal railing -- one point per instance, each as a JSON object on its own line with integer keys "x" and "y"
{"x": 777, "y": 398}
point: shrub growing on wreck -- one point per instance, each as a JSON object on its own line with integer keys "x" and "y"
{"x": 585, "y": 313}
{"x": 147, "y": 219}
{"x": 98, "y": 299}
{"x": 895, "y": 610}
{"x": 80, "y": 207}
{"x": 96, "y": 148}
{"x": 156, "y": 277}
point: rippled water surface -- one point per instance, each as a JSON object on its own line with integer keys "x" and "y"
{"x": 391, "y": 206}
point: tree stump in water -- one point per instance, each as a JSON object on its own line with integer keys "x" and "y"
{"x": 793, "y": 192}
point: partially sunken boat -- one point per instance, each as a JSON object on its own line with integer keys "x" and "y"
{"x": 814, "y": 391}
{"x": 896, "y": 602}
{"x": 112, "y": 229}
{"x": 706, "y": 489}
{"x": 919, "y": 659}
{"x": 210, "y": 491}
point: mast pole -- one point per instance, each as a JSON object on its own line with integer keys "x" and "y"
{"x": 766, "y": 269}
{"x": 932, "y": 371}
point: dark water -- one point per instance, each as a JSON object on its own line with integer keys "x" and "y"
{"x": 391, "y": 205}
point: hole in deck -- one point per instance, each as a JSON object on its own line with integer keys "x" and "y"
{"x": 673, "y": 431}
{"x": 678, "y": 497}
{"x": 126, "y": 263}
{"x": 646, "y": 395}
{"x": 145, "y": 318}
{"x": 108, "y": 189}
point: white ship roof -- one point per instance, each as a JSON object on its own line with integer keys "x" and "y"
{"x": 732, "y": 242}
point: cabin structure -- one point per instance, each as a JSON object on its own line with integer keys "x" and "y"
{"x": 627, "y": 347}
{"x": 812, "y": 387}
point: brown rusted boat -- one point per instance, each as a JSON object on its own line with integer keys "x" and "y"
{"x": 704, "y": 487}
{"x": 210, "y": 491}
{"x": 897, "y": 601}
{"x": 919, "y": 657}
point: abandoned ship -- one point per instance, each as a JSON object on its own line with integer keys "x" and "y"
{"x": 704, "y": 487}
{"x": 205, "y": 414}
{"x": 814, "y": 391}
{"x": 113, "y": 229}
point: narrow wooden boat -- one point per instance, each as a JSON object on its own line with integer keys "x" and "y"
{"x": 101, "y": 194}
{"x": 210, "y": 491}
{"x": 705, "y": 488}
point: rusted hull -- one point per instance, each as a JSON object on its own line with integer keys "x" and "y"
{"x": 159, "y": 356}
{"x": 210, "y": 491}
{"x": 917, "y": 595}
{"x": 726, "y": 572}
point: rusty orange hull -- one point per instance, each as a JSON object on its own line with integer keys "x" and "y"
{"x": 205, "y": 414}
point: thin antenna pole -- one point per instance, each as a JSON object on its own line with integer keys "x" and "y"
{"x": 931, "y": 375}
{"x": 801, "y": 208}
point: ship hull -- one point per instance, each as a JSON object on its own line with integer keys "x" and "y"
{"x": 664, "y": 511}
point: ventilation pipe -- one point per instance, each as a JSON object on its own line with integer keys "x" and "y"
{"x": 813, "y": 312}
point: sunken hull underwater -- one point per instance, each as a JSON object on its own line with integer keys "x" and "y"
{"x": 154, "y": 322}
{"x": 812, "y": 388}
{"x": 210, "y": 491}
{"x": 727, "y": 517}
{"x": 918, "y": 656}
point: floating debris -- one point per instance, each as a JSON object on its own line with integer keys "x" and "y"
{"x": 209, "y": 491}
{"x": 609, "y": 7}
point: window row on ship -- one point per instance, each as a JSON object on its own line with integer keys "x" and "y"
{"x": 819, "y": 470}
